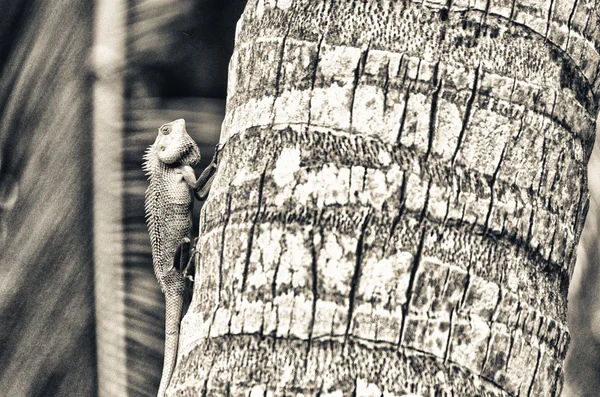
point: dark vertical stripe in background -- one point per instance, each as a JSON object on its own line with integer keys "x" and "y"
{"x": 47, "y": 344}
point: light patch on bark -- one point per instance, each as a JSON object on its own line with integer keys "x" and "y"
{"x": 376, "y": 191}
{"x": 469, "y": 342}
{"x": 331, "y": 185}
{"x": 287, "y": 375}
{"x": 291, "y": 107}
{"x": 260, "y": 8}
{"x": 385, "y": 159}
{"x": 337, "y": 393}
{"x": 257, "y": 280}
{"x": 438, "y": 202}
{"x": 368, "y": 110}
{"x": 260, "y": 391}
{"x": 293, "y": 269}
{"x": 241, "y": 176}
{"x": 416, "y": 129}
{"x": 269, "y": 246}
{"x": 445, "y": 140}
{"x": 482, "y": 298}
{"x": 375, "y": 277}
{"x": 284, "y": 4}
{"x": 364, "y": 389}
{"x": 335, "y": 264}
{"x": 330, "y": 107}
{"x": 415, "y": 193}
{"x": 233, "y": 65}
{"x": 287, "y": 163}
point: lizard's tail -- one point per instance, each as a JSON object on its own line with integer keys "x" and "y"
{"x": 173, "y": 308}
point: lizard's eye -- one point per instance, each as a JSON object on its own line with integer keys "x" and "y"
{"x": 165, "y": 129}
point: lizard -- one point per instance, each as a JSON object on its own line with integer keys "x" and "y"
{"x": 168, "y": 206}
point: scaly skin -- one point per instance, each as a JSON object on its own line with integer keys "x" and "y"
{"x": 169, "y": 203}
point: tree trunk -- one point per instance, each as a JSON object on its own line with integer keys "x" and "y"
{"x": 398, "y": 205}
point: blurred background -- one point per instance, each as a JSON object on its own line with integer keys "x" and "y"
{"x": 84, "y": 85}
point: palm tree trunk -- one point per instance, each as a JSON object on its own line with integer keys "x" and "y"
{"x": 399, "y": 202}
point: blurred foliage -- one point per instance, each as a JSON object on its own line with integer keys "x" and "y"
{"x": 181, "y": 48}
{"x": 175, "y": 48}
{"x": 47, "y": 337}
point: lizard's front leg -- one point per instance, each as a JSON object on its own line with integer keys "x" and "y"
{"x": 204, "y": 182}
{"x": 201, "y": 186}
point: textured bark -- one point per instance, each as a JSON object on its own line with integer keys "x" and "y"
{"x": 399, "y": 201}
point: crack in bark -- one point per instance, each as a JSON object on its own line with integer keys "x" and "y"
{"x": 406, "y": 99}
{"x": 449, "y": 340}
{"x": 511, "y": 342}
{"x": 483, "y": 20}
{"x": 261, "y": 186}
{"x": 221, "y": 257}
{"x": 278, "y": 73}
{"x": 411, "y": 283}
{"x": 543, "y": 167}
{"x": 397, "y": 218}
{"x": 356, "y": 275}
{"x": 426, "y": 203}
{"x": 530, "y": 229}
{"x": 313, "y": 78}
{"x": 535, "y": 371}
{"x": 282, "y": 244}
{"x": 461, "y": 304}
{"x": 549, "y": 21}
{"x": 204, "y": 391}
{"x": 386, "y": 82}
{"x": 315, "y": 292}
{"x": 487, "y": 353}
{"x": 354, "y": 390}
{"x": 468, "y": 108}
{"x": 358, "y": 72}
{"x": 438, "y": 82}
{"x": 492, "y": 189}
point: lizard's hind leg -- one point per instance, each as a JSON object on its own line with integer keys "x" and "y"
{"x": 183, "y": 262}
{"x": 189, "y": 271}
{"x": 182, "y": 255}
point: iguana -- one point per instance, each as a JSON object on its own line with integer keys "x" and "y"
{"x": 169, "y": 202}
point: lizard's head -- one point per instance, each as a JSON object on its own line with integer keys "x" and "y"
{"x": 173, "y": 144}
